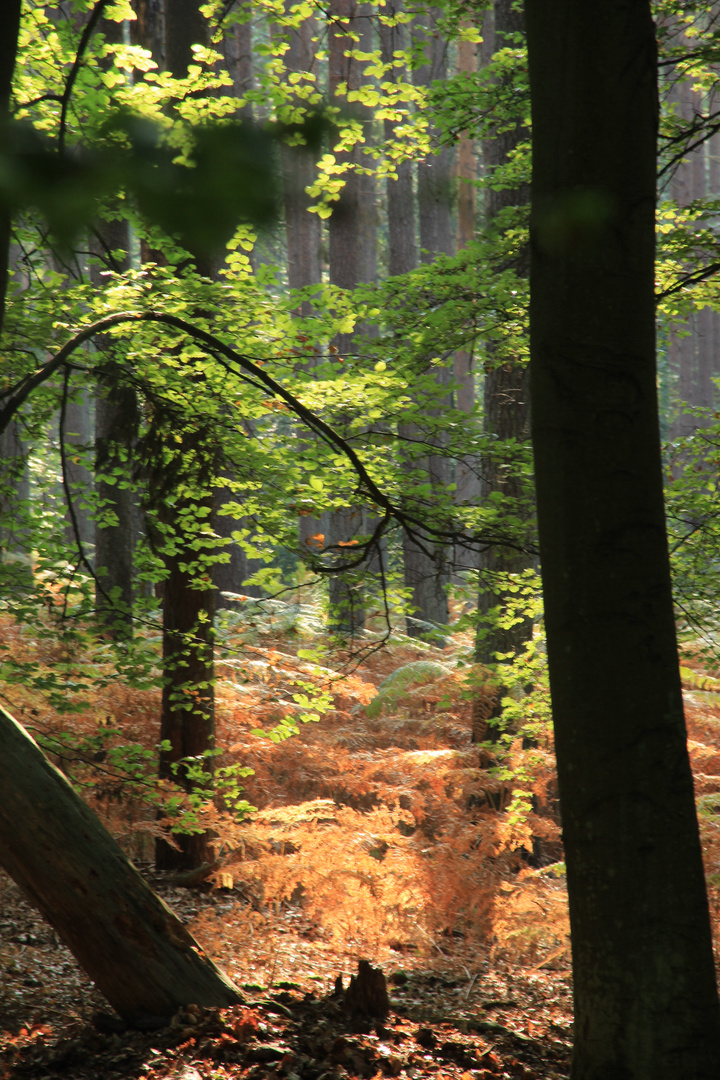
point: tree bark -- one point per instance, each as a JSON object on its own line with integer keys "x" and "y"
{"x": 467, "y": 487}
{"x": 303, "y": 230}
{"x": 116, "y": 429}
{"x": 691, "y": 356}
{"x": 115, "y": 418}
{"x": 188, "y": 699}
{"x": 402, "y": 241}
{"x": 185, "y": 26}
{"x": 9, "y": 30}
{"x": 437, "y": 236}
{"x": 15, "y": 562}
{"x": 136, "y": 951}
{"x": 506, "y": 399}
{"x": 78, "y": 439}
{"x": 644, "y": 982}
{"x": 352, "y": 240}
{"x": 352, "y": 229}
{"x": 426, "y": 565}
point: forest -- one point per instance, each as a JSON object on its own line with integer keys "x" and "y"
{"x": 359, "y": 539}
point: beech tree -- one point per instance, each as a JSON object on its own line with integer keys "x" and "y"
{"x": 644, "y": 983}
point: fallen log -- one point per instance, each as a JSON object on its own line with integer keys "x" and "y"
{"x": 136, "y": 951}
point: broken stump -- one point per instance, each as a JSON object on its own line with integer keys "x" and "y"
{"x": 367, "y": 995}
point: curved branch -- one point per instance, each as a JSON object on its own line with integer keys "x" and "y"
{"x": 228, "y": 357}
{"x": 689, "y": 280}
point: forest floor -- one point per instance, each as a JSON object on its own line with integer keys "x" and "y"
{"x": 381, "y": 833}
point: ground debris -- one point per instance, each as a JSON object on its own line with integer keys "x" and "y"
{"x": 313, "y": 1037}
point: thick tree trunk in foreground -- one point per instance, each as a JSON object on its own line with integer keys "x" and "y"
{"x": 645, "y": 997}
{"x": 132, "y": 946}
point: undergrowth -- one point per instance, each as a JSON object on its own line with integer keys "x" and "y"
{"x": 381, "y": 824}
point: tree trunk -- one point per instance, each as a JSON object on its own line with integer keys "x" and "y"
{"x": 185, "y": 26}
{"x": 148, "y": 29}
{"x": 77, "y": 435}
{"x": 437, "y": 236}
{"x": 426, "y": 565}
{"x": 136, "y": 951}
{"x": 13, "y": 468}
{"x": 467, "y": 487}
{"x": 690, "y": 354}
{"x": 506, "y": 397}
{"x": 303, "y": 230}
{"x": 9, "y": 30}
{"x": 424, "y": 575}
{"x": 15, "y": 560}
{"x": 402, "y": 242}
{"x": 116, "y": 419}
{"x": 188, "y": 700}
{"x": 644, "y": 982}
{"x": 352, "y": 236}
{"x": 116, "y": 424}
{"x": 236, "y": 48}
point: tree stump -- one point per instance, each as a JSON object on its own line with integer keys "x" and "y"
{"x": 367, "y": 995}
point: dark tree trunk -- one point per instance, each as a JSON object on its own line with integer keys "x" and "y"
{"x": 9, "y": 29}
{"x": 185, "y": 26}
{"x": 644, "y": 982}
{"x": 188, "y": 705}
{"x": 132, "y": 946}
{"x": 188, "y": 702}
{"x": 506, "y": 397}
{"x": 148, "y": 29}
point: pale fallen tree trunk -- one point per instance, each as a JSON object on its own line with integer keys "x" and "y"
{"x": 136, "y": 951}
